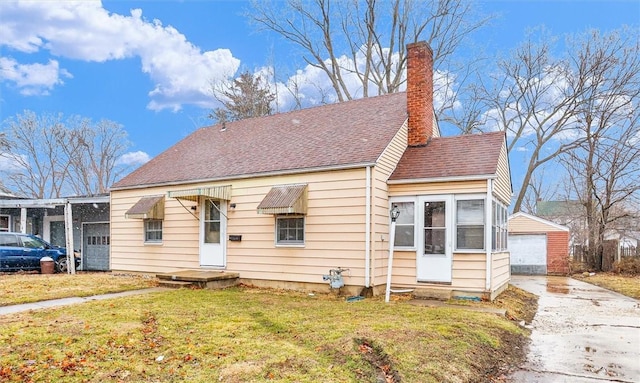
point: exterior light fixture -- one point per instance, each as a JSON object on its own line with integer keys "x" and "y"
{"x": 395, "y": 213}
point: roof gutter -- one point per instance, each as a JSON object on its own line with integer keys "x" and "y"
{"x": 250, "y": 175}
{"x": 478, "y": 177}
{"x": 51, "y": 202}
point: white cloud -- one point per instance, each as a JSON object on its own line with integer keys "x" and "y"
{"x": 32, "y": 79}
{"x": 311, "y": 85}
{"x": 133, "y": 158}
{"x": 12, "y": 163}
{"x": 84, "y": 30}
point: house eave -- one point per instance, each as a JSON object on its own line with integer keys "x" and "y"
{"x": 51, "y": 202}
{"x": 482, "y": 177}
{"x": 246, "y": 176}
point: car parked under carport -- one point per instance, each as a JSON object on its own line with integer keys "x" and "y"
{"x": 24, "y": 251}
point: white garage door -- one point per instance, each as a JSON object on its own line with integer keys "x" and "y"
{"x": 528, "y": 253}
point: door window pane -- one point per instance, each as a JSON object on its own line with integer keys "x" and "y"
{"x": 4, "y": 223}
{"x": 212, "y": 221}
{"x": 434, "y": 227}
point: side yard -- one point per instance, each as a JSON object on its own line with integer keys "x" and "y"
{"x": 254, "y": 335}
{"x": 624, "y": 284}
{"x": 625, "y": 278}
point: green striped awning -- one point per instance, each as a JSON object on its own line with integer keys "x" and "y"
{"x": 218, "y": 192}
{"x": 285, "y": 199}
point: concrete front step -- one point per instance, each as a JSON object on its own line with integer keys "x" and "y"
{"x": 174, "y": 284}
{"x": 209, "y": 279}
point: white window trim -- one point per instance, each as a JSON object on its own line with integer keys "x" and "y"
{"x": 393, "y": 200}
{"x": 144, "y": 233}
{"x": 497, "y": 204}
{"x": 304, "y": 231}
{"x": 467, "y": 197}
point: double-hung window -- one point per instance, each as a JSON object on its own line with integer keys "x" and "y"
{"x": 290, "y": 230}
{"x": 499, "y": 227}
{"x": 153, "y": 231}
{"x": 405, "y": 225}
{"x": 470, "y": 224}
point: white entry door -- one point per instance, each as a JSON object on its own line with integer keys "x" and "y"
{"x": 212, "y": 233}
{"x": 435, "y": 251}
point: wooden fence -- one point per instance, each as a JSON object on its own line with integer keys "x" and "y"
{"x": 612, "y": 251}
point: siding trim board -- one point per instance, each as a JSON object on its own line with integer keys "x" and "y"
{"x": 250, "y": 176}
{"x": 442, "y": 179}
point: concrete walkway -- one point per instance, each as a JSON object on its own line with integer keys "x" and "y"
{"x": 4, "y": 310}
{"x": 581, "y": 334}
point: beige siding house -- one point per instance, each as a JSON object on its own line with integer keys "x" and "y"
{"x": 282, "y": 200}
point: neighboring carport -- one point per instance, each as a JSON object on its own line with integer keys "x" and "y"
{"x": 81, "y": 222}
{"x": 537, "y": 246}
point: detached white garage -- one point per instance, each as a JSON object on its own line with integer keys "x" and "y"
{"x": 528, "y": 253}
{"x": 537, "y": 246}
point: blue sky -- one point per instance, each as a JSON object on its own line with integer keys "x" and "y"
{"x": 147, "y": 64}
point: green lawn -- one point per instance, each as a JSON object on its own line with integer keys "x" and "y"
{"x": 255, "y": 335}
{"x": 623, "y": 284}
{"x": 26, "y": 288}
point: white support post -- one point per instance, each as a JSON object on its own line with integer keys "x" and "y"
{"x": 392, "y": 238}
{"x": 68, "y": 230}
{"x": 23, "y": 220}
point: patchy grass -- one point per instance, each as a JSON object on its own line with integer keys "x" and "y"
{"x": 623, "y": 284}
{"x": 519, "y": 305}
{"x": 255, "y": 335}
{"x": 26, "y": 288}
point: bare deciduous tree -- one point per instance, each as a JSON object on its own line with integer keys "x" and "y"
{"x": 365, "y": 41}
{"x": 605, "y": 167}
{"x": 49, "y": 156}
{"x": 531, "y": 97}
{"x": 92, "y": 151}
{"x": 244, "y": 97}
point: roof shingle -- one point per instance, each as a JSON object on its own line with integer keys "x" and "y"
{"x": 457, "y": 156}
{"x": 348, "y": 133}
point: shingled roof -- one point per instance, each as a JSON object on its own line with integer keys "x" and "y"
{"x": 332, "y": 136}
{"x": 457, "y": 156}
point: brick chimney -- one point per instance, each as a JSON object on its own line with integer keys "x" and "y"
{"x": 420, "y": 93}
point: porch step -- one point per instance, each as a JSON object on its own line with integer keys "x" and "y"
{"x": 175, "y": 284}
{"x": 209, "y": 279}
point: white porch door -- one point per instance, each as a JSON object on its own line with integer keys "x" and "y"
{"x": 435, "y": 250}
{"x": 212, "y": 233}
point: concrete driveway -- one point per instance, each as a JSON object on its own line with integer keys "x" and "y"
{"x": 581, "y": 333}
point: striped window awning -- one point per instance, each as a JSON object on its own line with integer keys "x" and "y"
{"x": 285, "y": 199}
{"x": 151, "y": 207}
{"x": 218, "y": 192}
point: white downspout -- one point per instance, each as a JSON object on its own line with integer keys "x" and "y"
{"x": 488, "y": 233}
{"x": 367, "y": 232}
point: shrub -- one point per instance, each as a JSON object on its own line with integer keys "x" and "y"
{"x": 627, "y": 266}
{"x": 577, "y": 267}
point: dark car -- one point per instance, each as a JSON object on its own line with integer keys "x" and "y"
{"x": 24, "y": 251}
